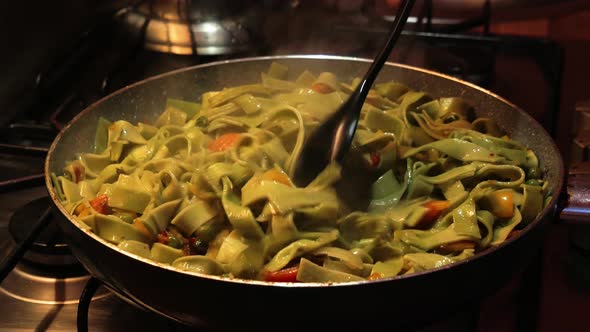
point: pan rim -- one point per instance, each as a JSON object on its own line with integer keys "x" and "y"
{"x": 540, "y": 217}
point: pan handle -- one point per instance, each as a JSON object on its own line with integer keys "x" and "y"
{"x": 574, "y": 207}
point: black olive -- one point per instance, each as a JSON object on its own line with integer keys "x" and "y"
{"x": 202, "y": 121}
{"x": 533, "y": 182}
{"x": 450, "y": 118}
{"x": 195, "y": 246}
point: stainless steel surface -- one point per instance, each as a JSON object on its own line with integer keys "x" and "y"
{"x": 54, "y": 308}
{"x": 144, "y": 100}
{"x": 20, "y": 316}
{"x": 204, "y": 27}
{"x": 34, "y": 285}
{"x": 577, "y": 205}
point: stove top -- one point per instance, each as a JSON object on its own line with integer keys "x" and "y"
{"x": 43, "y": 290}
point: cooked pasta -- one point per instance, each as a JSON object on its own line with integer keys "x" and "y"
{"x": 206, "y": 187}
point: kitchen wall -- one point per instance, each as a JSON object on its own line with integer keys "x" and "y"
{"x": 34, "y": 35}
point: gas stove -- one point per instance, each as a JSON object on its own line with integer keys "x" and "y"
{"x": 47, "y": 289}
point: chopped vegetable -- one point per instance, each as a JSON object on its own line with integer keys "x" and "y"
{"x": 533, "y": 173}
{"x": 174, "y": 242}
{"x": 375, "y": 159}
{"x": 534, "y": 182}
{"x": 434, "y": 209}
{"x": 321, "y": 88}
{"x": 375, "y": 276}
{"x": 82, "y": 210}
{"x": 194, "y": 246}
{"x": 137, "y": 223}
{"x": 162, "y": 237}
{"x": 126, "y": 216}
{"x": 223, "y": 142}
{"x": 284, "y": 275}
{"x": 326, "y": 83}
{"x": 101, "y": 204}
{"x": 202, "y": 121}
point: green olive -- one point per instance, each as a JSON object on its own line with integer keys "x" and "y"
{"x": 126, "y": 217}
{"x": 174, "y": 242}
{"x": 533, "y": 173}
{"x": 533, "y": 182}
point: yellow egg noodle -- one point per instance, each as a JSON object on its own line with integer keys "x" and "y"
{"x": 206, "y": 187}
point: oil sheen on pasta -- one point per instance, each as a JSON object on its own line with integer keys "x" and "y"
{"x": 206, "y": 186}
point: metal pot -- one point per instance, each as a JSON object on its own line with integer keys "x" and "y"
{"x": 204, "y": 27}
{"x": 210, "y": 301}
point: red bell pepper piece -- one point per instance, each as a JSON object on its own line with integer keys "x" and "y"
{"x": 375, "y": 160}
{"x": 284, "y": 275}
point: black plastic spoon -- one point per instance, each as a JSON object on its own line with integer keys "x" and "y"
{"x": 330, "y": 141}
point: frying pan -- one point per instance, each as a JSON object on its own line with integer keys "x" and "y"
{"x": 215, "y": 302}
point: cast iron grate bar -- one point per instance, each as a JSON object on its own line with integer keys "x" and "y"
{"x": 22, "y": 182}
{"x": 17, "y": 149}
{"x": 43, "y": 132}
{"x": 84, "y": 304}
{"x": 60, "y": 109}
{"x": 18, "y": 253}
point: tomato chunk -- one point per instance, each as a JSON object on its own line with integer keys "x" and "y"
{"x": 375, "y": 276}
{"x": 137, "y": 223}
{"x": 284, "y": 275}
{"x": 162, "y": 237}
{"x": 375, "y": 160}
{"x": 434, "y": 209}
{"x": 223, "y": 142}
{"x": 321, "y": 88}
{"x": 100, "y": 204}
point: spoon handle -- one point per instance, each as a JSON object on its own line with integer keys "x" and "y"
{"x": 360, "y": 92}
{"x": 331, "y": 139}
{"x": 396, "y": 29}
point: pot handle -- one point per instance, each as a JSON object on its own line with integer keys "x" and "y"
{"x": 574, "y": 206}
